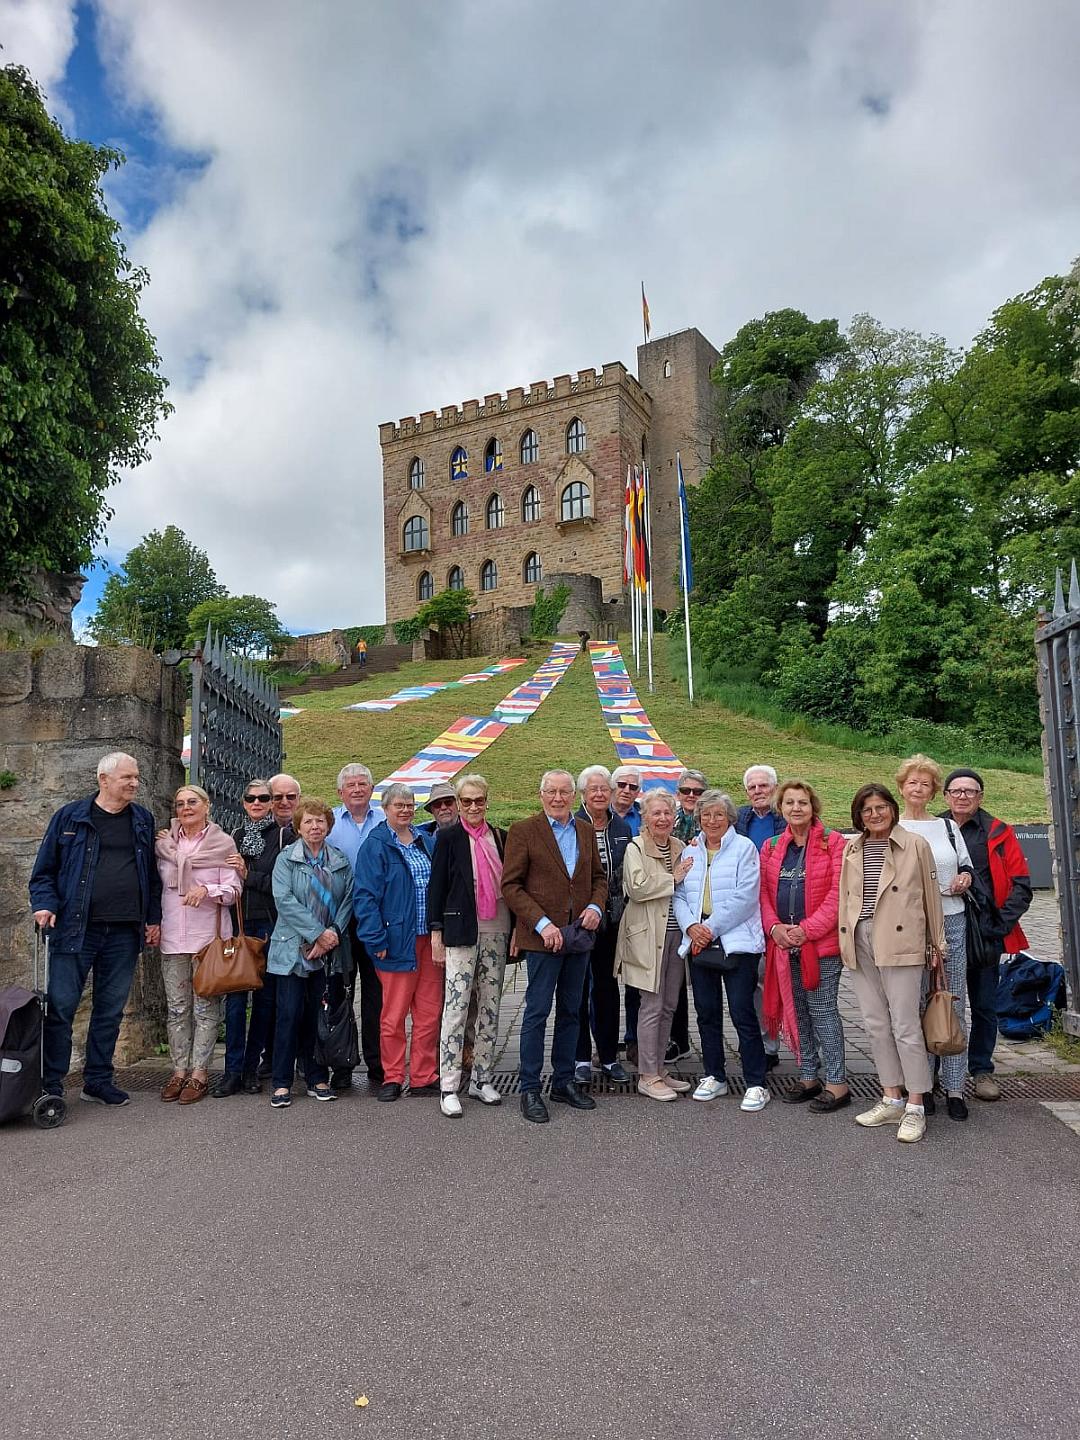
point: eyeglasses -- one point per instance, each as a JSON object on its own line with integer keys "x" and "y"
{"x": 286, "y": 795}
{"x": 442, "y": 802}
{"x": 626, "y": 785}
{"x": 962, "y": 793}
{"x": 870, "y": 812}
{"x": 686, "y": 790}
{"x": 476, "y": 800}
{"x": 187, "y": 804}
{"x": 256, "y": 799}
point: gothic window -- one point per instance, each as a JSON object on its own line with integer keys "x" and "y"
{"x": 532, "y": 571}
{"x": 489, "y": 575}
{"x": 492, "y": 457}
{"x": 456, "y": 579}
{"x": 459, "y": 519}
{"x": 667, "y": 369}
{"x": 530, "y": 504}
{"x": 416, "y": 473}
{"x": 496, "y": 512}
{"x": 459, "y": 464}
{"x": 425, "y": 586}
{"x": 576, "y": 501}
{"x": 530, "y": 448}
{"x": 416, "y": 533}
{"x": 575, "y": 437}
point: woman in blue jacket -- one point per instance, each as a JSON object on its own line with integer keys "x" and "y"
{"x": 393, "y": 871}
{"x": 312, "y": 887}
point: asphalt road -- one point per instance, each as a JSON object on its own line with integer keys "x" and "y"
{"x": 230, "y": 1273}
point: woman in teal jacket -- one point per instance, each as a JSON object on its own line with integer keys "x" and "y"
{"x": 313, "y": 894}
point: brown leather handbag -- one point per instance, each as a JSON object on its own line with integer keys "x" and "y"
{"x": 232, "y": 965}
{"x": 941, "y": 1028}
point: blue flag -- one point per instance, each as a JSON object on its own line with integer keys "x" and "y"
{"x": 684, "y": 515}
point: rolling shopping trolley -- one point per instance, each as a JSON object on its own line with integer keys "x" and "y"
{"x": 22, "y": 1021}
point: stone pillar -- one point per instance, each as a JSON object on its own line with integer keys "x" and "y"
{"x": 61, "y": 708}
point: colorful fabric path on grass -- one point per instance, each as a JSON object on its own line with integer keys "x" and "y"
{"x": 635, "y": 740}
{"x": 465, "y": 739}
{"x": 421, "y": 692}
{"x": 185, "y": 753}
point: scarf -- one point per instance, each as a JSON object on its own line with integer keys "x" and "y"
{"x": 487, "y": 867}
{"x": 777, "y": 999}
{"x": 253, "y": 840}
{"x": 320, "y": 897}
{"x": 213, "y": 849}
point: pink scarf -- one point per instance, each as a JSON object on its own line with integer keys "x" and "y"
{"x": 487, "y": 868}
{"x": 214, "y": 848}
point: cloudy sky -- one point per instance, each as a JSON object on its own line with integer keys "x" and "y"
{"x": 353, "y": 210}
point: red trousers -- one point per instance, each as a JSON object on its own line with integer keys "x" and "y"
{"x": 420, "y": 992}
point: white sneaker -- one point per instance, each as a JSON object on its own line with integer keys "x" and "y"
{"x": 756, "y": 1098}
{"x": 710, "y": 1088}
{"x": 912, "y": 1126}
{"x": 883, "y": 1113}
{"x": 485, "y": 1093}
{"x": 450, "y": 1105}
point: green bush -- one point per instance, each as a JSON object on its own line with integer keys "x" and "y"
{"x": 548, "y": 610}
{"x": 406, "y": 631}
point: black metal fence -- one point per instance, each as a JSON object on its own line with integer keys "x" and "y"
{"x": 235, "y": 728}
{"x": 1057, "y": 644}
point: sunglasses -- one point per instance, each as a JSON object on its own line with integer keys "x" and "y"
{"x": 626, "y": 785}
{"x": 685, "y": 790}
{"x": 287, "y": 795}
{"x": 479, "y": 800}
{"x": 439, "y": 804}
{"x": 256, "y": 799}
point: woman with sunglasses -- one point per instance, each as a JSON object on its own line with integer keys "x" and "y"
{"x": 890, "y": 922}
{"x": 198, "y": 884}
{"x": 259, "y": 842}
{"x": 470, "y": 934}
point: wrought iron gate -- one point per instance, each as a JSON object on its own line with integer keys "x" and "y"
{"x": 1057, "y": 644}
{"x": 235, "y": 728}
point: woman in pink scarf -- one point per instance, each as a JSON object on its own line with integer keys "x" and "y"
{"x": 470, "y": 932}
{"x": 197, "y": 887}
{"x": 800, "y": 902}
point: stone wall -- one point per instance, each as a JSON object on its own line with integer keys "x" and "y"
{"x": 43, "y": 607}
{"x": 61, "y": 709}
{"x": 329, "y": 647}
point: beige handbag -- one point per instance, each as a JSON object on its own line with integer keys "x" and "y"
{"x": 941, "y": 1028}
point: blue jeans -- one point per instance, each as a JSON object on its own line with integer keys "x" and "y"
{"x": 982, "y": 985}
{"x": 244, "y": 1041}
{"x": 110, "y": 951}
{"x": 709, "y": 988}
{"x": 551, "y": 976}
{"x": 298, "y": 999}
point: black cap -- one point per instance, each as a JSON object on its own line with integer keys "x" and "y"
{"x": 960, "y": 774}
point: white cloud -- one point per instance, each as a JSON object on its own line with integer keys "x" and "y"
{"x": 404, "y": 206}
{"x": 39, "y": 34}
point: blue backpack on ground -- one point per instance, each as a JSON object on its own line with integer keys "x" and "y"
{"x": 1029, "y": 991}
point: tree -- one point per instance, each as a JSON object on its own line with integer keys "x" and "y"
{"x": 448, "y": 612}
{"x": 246, "y": 623}
{"x": 80, "y": 388}
{"x": 164, "y": 578}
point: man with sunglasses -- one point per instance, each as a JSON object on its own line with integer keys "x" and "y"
{"x": 689, "y": 788}
{"x": 1002, "y": 871}
{"x": 443, "y": 805}
{"x": 626, "y": 780}
{"x": 354, "y": 820}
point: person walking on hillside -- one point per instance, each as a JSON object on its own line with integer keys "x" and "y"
{"x": 1002, "y": 871}
{"x": 96, "y": 889}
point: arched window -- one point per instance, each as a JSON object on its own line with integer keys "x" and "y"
{"x": 530, "y": 504}
{"x": 575, "y": 437}
{"x": 492, "y": 456}
{"x": 489, "y": 575}
{"x": 416, "y": 533}
{"x": 496, "y": 512}
{"x": 425, "y": 586}
{"x": 416, "y": 473}
{"x": 576, "y": 501}
{"x": 456, "y": 579}
{"x": 530, "y": 448}
{"x": 459, "y": 519}
{"x": 459, "y": 464}
{"x": 532, "y": 572}
{"x": 667, "y": 369}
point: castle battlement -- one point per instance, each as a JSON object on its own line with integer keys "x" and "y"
{"x": 429, "y": 422}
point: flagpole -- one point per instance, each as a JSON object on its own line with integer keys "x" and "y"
{"x": 648, "y": 582}
{"x": 684, "y": 566}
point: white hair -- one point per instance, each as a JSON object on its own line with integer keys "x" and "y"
{"x": 591, "y": 772}
{"x": 626, "y": 772}
{"x": 766, "y": 770}
{"x": 108, "y": 763}
{"x": 549, "y": 775}
{"x": 281, "y": 775}
{"x": 396, "y": 791}
{"x": 347, "y": 772}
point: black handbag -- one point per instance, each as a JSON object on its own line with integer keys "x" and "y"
{"x": 983, "y": 934}
{"x": 715, "y": 957}
{"x": 337, "y": 1044}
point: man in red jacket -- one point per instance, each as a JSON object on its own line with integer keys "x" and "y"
{"x": 999, "y": 864}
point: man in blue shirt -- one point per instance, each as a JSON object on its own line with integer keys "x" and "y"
{"x": 354, "y": 820}
{"x": 626, "y": 780}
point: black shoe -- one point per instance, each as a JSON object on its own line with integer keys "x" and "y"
{"x": 801, "y": 1094}
{"x": 420, "y": 1090}
{"x": 929, "y": 1104}
{"x": 389, "y": 1091}
{"x": 771, "y": 1061}
{"x": 533, "y": 1108}
{"x": 616, "y": 1072}
{"x": 265, "y": 1070}
{"x": 229, "y": 1084}
{"x": 957, "y": 1107}
{"x": 572, "y": 1095}
{"x": 250, "y": 1083}
{"x": 341, "y": 1080}
{"x": 675, "y": 1051}
{"x": 375, "y": 1078}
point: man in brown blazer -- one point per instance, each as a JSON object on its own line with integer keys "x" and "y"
{"x": 552, "y": 877}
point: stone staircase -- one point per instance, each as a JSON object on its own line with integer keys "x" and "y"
{"x": 381, "y": 659}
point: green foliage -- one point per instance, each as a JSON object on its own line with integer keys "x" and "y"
{"x": 373, "y": 634}
{"x": 448, "y": 613}
{"x": 407, "y": 631}
{"x": 80, "y": 388}
{"x": 8, "y": 779}
{"x": 164, "y": 578}
{"x": 246, "y": 623}
{"x": 548, "y": 610}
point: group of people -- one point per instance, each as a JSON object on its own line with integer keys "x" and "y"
{"x": 761, "y": 904}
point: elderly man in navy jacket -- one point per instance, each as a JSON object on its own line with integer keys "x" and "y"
{"x": 95, "y": 887}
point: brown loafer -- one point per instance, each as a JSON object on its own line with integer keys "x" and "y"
{"x": 173, "y": 1087}
{"x": 193, "y": 1090}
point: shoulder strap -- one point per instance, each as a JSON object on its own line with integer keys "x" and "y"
{"x": 949, "y": 830}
